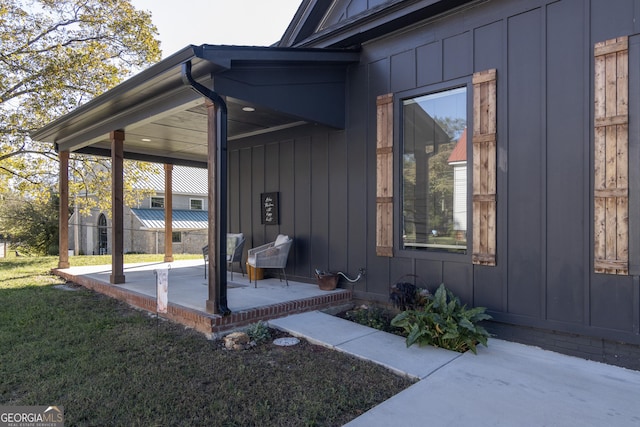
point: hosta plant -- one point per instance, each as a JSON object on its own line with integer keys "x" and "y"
{"x": 444, "y": 322}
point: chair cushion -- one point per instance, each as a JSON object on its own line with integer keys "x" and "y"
{"x": 282, "y": 238}
{"x": 232, "y": 243}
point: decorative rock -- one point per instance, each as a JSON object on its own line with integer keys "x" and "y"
{"x": 236, "y": 341}
{"x": 286, "y": 341}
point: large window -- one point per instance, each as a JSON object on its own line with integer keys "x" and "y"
{"x": 103, "y": 238}
{"x": 434, "y": 170}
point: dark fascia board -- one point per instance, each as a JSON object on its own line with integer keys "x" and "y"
{"x": 225, "y": 56}
{"x": 160, "y": 88}
{"x": 380, "y": 21}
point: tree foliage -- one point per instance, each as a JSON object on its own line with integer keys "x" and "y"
{"x": 32, "y": 227}
{"x": 54, "y": 56}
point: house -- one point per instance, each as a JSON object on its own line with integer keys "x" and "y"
{"x": 458, "y": 161}
{"x": 145, "y": 222}
{"x": 351, "y": 119}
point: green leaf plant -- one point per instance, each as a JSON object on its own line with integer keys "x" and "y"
{"x": 259, "y": 332}
{"x": 444, "y": 322}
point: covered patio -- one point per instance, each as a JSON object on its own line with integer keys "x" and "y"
{"x": 183, "y": 111}
{"x": 188, "y": 291}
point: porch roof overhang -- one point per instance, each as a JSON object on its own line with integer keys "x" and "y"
{"x": 165, "y": 121}
{"x": 181, "y": 219}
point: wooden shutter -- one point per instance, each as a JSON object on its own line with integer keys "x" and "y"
{"x": 484, "y": 168}
{"x": 611, "y": 165}
{"x": 384, "y": 174}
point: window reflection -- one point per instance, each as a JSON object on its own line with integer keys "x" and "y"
{"x": 435, "y": 171}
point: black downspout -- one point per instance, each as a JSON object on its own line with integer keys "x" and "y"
{"x": 221, "y": 191}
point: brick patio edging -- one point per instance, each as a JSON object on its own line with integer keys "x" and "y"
{"x": 212, "y": 325}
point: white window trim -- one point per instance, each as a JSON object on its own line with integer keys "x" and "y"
{"x": 191, "y": 206}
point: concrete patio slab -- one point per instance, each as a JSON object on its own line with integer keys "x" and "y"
{"x": 188, "y": 293}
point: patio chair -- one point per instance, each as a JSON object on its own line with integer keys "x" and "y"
{"x": 205, "y": 255}
{"x": 235, "y": 246}
{"x": 271, "y": 255}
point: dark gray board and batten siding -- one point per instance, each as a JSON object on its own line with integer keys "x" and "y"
{"x": 543, "y": 54}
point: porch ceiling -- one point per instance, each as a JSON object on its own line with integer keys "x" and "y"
{"x": 165, "y": 120}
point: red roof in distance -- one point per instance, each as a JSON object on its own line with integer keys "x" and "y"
{"x": 459, "y": 153}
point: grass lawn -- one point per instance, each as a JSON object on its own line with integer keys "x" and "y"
{"x": 111, "y": 365}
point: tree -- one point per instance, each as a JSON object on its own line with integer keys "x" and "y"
{"x": 54, "y": 56}
{"x": 33, "y": 226}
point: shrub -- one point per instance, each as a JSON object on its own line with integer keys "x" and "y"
{"x": 407, "y": 296}
{"x": 444, "y": 322}
{"x": 258, "y": 332}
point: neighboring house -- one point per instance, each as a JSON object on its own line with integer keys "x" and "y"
{"x": 458, "y": 160}
{"x": 144, "y": 224}
{"x": 351, "y": 119}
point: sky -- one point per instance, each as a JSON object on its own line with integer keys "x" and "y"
{"x": 229, "y": 22}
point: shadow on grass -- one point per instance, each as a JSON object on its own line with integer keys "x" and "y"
{"x": 26, "y": 262}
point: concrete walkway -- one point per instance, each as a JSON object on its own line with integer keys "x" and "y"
{"x": 506, "y": 384}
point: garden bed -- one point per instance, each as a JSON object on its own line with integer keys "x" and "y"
{"x": 438, "y": 319}
{"x": 372, "y": 315}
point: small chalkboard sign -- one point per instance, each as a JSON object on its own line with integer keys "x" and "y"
{"x": 269, "y": 203}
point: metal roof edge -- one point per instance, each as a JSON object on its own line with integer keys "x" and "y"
{"x": 190, "y": 224}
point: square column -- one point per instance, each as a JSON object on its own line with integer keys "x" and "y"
{"x": 63, "y": 215}
{"x": 168, "y": 213}
{"x": 117, "y": 207}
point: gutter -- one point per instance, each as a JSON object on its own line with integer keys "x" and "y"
{"x": 221, "y": 190}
